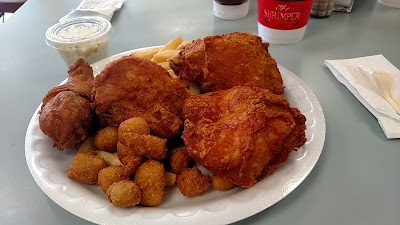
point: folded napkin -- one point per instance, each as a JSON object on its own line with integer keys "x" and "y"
{"x": 102, "y": 8}
{"x": 378, "y": 106}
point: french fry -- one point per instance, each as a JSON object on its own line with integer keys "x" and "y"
{"x": 173, "y": 44}
{"x": 165, "y": 65}
{"x": 182, "y": 44}
{"x": 170, "y": 179}
{"x": 88, "y": 147}
{"x": 173, "y": 75}
{"x": 110, "y": 158}
{"x": 147, "y": 54}
{"x": 163, "y": 56}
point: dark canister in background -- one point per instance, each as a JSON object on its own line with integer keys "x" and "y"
{"x": 283, "y": 21}
{"x": 231, "y": 9}
{"x": 322, "y": 8}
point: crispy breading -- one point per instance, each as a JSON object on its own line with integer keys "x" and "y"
{"x": 124, "y": 193}
{"x": 133, "y": 87}
{"x": 224, "y": 61}
{"x": 192, "y": 182}
{"x": 85, "y": 168}
{"x": 109, "y": 175}
{"x": 150, "y": 177}
{"x": 240, "y": 132}
{"x": 66, "y": 114}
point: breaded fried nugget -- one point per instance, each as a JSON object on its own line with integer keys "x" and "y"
{"x": 221, "y": 184}
{"x": 180, "y": 160}
{"x": 149, "y": 146}
{"x": 106, "y": 139}
{"x": 124, "y": 193}
{"x": 192, "y": 182}
{"x": 136, "y": 125}
{"x": 109, "y": 175}
{"x": 85, "y": 168}
{"x": 131, "y": 163}
{"x": 150, "y": 177}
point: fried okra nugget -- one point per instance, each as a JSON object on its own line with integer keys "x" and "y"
{"x": 85, "y": 168}
{"x": 106, "y": 139}
{"x": 149, "y": 146}
{"x": 221, "y": 184}
{"x": 109, "y": 175}
{"x": 131, "y": 163}
{"x": 180, "y": 160}
{"x": 134, "y": 125}
{"x": 150, "y": 177}
{"x": 123, "y": 150}
{"x": 124, "y": 193}
{"x": 192, "y": 182}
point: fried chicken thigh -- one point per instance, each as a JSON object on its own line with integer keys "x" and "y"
{"x": 223, "y": 61}
{"x": 241, "y": 133}
{"x": 66, "y": 114}
{"x": 134, "y": 87}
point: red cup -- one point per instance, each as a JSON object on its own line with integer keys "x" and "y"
{"x": 283, "y": 21}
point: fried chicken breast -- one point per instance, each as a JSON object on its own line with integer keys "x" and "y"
{"x": 223, "y": 61}
{"x": 134, "y": 87}
{"x": 66, "y": 114}
{"x": 242, "y": 133}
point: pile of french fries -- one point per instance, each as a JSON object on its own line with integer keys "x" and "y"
{"x": 162, "y": 54}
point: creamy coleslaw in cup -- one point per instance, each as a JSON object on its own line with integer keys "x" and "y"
{"x": 85, "y": 37}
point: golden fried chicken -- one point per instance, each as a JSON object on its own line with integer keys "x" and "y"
{"x": 223, "y": 61}
{"x": 241, "y": 133}
{"x": 67, "y": 114}
{"x": 134, "y": 87}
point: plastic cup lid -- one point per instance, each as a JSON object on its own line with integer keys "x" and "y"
{"x": 78, "y": 30}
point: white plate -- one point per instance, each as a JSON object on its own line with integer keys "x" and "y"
{"x": 49, "y": 168}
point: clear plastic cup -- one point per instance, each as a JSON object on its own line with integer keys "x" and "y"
{"x": 82, "y": 37}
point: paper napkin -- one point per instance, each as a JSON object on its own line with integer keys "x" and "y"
{"x": 387, "y": 117}
{"x": 102, "y": 8}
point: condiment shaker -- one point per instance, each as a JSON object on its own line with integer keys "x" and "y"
{"x": 322, "y": 8}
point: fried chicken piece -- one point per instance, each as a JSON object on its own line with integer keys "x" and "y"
{"x": 241, "y": 133}
{"x": 224, "y": 61}
{"x": 67, "y": 115}
{"x": 134, "y": 87}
